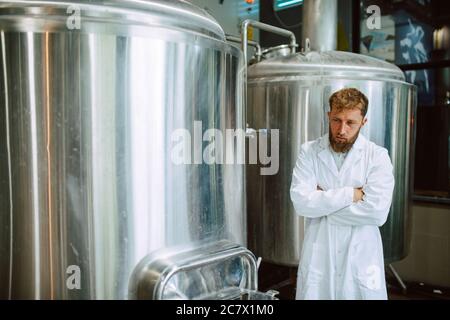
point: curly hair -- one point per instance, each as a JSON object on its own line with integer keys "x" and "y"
{"x": 349, "y": 98}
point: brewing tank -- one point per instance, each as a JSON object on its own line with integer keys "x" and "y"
{"x": 290, "y": 92}
{"x": 98, "y": 99}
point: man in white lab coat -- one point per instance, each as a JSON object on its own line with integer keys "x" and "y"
{"x": 342, "y": 184}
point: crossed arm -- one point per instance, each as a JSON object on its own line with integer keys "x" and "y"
{"x": 344, "y": 206}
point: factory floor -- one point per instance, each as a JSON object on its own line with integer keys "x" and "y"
{"x": 417, "y": 291}
{"x": 283, "y": 280}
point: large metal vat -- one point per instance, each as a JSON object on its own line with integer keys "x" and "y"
{"x": 88, "y": 109}
{"x": 290, "y": 92}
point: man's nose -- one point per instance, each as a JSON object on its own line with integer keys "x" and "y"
{"x": 342, "y": 129}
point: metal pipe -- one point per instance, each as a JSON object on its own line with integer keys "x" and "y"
{"x": 254, "y": 44}
{"x": 245, "y": 42}
{"x": 398, "y": 278}
{"x": 320, "y": 24}
{"x": 268, "y": 28}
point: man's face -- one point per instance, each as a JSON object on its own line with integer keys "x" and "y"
{"x": 344, "y": 128}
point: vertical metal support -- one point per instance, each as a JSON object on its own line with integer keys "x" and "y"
{"x": 244, "y": 42}
{"x": 398, "y": 278}
{"x": 320, "y": 24}
{"x": 254, "y": 44}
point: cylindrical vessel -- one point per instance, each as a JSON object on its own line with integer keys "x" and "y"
{"x": 97, "y": 100}
{"x": 320, "y": 24}
{"x": 291, "y": 93}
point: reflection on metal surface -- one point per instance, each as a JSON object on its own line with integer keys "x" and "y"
{"x": 291, "y": 93}
{"x": 278, "y": 51}
{"x": 204, "y": 271}
{"x": 87, "y": 185}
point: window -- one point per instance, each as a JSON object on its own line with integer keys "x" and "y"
{"x": 415, "y": 35}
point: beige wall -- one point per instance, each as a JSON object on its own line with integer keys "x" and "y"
{"x": 429, "y": 258}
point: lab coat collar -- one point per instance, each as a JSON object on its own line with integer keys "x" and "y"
{"x": 352, "y": 157}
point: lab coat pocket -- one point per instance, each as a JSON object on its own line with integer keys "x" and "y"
{"x": 309, "y": 285}
{"x": 370, "y": 282}
{"x": 311, "y": 273}
{"x": 313, "y": 263}
{"x": 368, "y": 271}
{"x": 370, "y": 293}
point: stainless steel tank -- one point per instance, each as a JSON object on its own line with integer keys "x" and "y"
{"x": 91, "y": 93}
{"x": 290, "y": 92}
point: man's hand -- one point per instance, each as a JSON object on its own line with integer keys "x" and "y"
{"x": 358, "y": 195}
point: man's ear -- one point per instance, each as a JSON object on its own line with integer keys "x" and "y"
{"x": 364, "y": 122}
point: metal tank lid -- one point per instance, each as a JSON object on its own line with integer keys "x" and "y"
{"x": 328, "y": 63}
{"x": 179, "y": 14}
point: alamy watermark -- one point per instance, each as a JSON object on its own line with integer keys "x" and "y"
{"x": 73, "y": 281}
{"x": 73, "y": 22}
{"x": 373, "y": 278}
{"x": 214, "y": 146}
{"x": 373, "y": 22}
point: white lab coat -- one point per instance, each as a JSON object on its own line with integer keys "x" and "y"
{"x": 342, "y": 254}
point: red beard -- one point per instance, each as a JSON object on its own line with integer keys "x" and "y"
{"x": 342, "y": 146}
